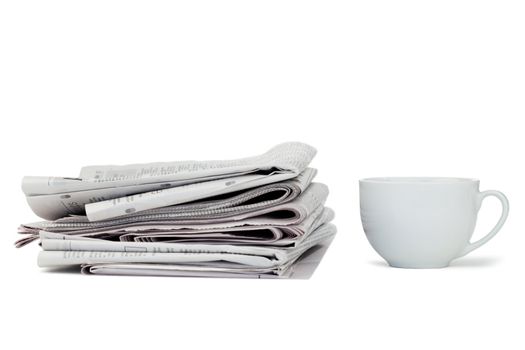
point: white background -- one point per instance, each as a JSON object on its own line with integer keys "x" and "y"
{"x": 380, "y": 88}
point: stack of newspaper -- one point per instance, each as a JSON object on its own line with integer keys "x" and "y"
{"x": 250, "y": 217}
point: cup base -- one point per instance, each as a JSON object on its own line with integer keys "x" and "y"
{"x": 417, "y": 266}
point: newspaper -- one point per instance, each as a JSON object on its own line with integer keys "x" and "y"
{"x": 267, "y": 225}
{"x": 104, "y": 192}
{"x": 260, "y": 235}
{"x": 186, "y": 260}
{"x": 225, "y": 206}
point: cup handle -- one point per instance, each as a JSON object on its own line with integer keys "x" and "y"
{"x": 504, "y": 214}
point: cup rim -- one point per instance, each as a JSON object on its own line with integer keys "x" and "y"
{"x": 426, "y": 180}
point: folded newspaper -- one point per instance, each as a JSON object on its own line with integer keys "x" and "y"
{"x": 251, "y": 217}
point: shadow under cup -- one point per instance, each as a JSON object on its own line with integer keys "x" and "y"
{"x": 416, "y": 222}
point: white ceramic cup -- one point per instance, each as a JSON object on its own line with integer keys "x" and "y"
{"x": 423, "y": 222}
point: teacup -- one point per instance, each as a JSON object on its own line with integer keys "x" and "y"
{"x": 423, "y": 222}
